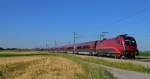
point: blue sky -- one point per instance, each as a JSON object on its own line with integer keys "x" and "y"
{"x": 30, "y": 23}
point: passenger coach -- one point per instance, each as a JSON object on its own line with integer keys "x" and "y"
{"x": 122, "y": 46}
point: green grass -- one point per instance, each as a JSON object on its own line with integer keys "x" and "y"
{"x": 116, "y": 64}
{"x": 92, "y": 70}
{"x": 145, "y": 54}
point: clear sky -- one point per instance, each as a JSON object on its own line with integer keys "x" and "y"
{"x": 30, "y": 23}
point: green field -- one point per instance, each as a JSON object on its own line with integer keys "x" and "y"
{"x": 145, "y": 54}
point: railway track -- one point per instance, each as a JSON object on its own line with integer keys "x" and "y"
{"x": 139, "y": 60}
{"x": 143, "y": 59}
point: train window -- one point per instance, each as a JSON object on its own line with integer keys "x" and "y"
{"x": 86, "y": 47}
{"x": 79, "y": 47}
{"x": 70, "y": 48}
{"x": 119, "y": 42}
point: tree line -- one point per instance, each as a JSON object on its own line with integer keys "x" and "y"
{"x": 17, "y": 49}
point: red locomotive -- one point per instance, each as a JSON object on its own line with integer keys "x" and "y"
{"x": 122, "y": 46}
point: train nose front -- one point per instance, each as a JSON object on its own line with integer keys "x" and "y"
{"x": 131, "y": 48}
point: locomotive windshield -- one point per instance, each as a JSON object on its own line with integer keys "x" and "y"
{"x": 129, "y": 41}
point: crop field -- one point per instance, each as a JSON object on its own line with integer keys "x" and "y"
{"x": 47, "y": 65}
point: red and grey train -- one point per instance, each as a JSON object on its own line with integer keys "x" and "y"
{"x": 122, "y": 46}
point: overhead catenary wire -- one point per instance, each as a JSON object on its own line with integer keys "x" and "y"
{"x": 132, "y": 15}
{"x": 118, "y": 21}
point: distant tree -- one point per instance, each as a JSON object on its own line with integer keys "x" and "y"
{"x": 18, "y": 49}
{"x": 1, "y": 48}
{"x": 11, "y": 48}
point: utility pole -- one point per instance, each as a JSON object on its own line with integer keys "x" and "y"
{"x": 102, "y": 35}
{"x": 46, "y": 45}
{"x": 55, "y": 43}
{"x": 0, "y": 41}
{"x": 74, "y": 42}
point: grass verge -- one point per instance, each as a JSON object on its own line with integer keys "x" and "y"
{"x": 92, "y": 71}
{"x": 116, "y": 64}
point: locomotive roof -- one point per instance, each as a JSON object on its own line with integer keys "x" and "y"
{"x": 126, "y": 36}
{"x": 85, "y": 43}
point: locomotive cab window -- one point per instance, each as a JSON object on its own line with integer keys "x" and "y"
{"x": 130, "y": 41}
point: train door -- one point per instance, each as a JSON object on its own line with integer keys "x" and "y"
{"x": 95, "y": 45}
